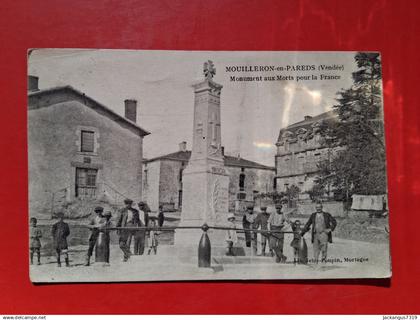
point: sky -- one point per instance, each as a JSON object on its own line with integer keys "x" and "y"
{"x": 252, "y": 113}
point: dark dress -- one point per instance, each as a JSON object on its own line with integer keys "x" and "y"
{"x": 102, "y": 244}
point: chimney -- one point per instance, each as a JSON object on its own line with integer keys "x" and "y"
{"x": 33, "y": 83}
{"x": 131, "y": 109}
{"x": 183, "y": 146}
{"x": 307, "y": 117}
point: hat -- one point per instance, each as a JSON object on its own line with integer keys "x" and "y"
{"x": 59, "y": 214}
{"x": 141, "y": 203}
{"x": 128, "y": 201}
{"x": 264, "y": 208}
{"x": 107, "y": 214}
{"x": 250, "y": 206}
{"x": 230, "y": 216}
{"x": 99, "y": 209}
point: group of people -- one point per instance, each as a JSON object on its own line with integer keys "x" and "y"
{"x": 59, "y": 232}
{"x": 272, "y": 227}
{"x": 127, "y": 225}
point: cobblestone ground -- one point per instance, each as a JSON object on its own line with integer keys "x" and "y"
{"x": 347, "y": 259}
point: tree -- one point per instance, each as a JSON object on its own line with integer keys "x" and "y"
{"x": 359, "y": 165}
{"x": 317, "y": 192}
{"x": 292, "y": 192}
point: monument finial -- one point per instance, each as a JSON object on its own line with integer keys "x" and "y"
{"x": 209, "y": 70}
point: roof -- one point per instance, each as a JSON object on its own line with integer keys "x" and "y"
{"x": 68, "y": 93}
{"x": 307, "y": 123}
{"x": 177, "y": 156}
{"x": 228, "y": 160}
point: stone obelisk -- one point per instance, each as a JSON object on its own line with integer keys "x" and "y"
{"x": 205, "y": 181}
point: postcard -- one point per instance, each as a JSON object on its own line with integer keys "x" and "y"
{"x": 206, "y": 165}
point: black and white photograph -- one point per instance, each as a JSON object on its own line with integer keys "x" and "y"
{"x": 206, "y": 165}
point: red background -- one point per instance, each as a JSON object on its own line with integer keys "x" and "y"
{"x": 391, "y": 27}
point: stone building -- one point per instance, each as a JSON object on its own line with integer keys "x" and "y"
{"x": 299, "y": 151}
{"x": 162, "y": 183}
{"x": 80, "y": 150}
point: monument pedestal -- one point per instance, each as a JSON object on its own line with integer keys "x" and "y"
{"x": 205, "y": 200}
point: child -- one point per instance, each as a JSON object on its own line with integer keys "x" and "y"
{"x": 153, "y": 241}
{"x": 35, "y": 244}
{"x": 60, "y": 231}
{"x": 296, "y": 228}
{"x": 231, "y": 235}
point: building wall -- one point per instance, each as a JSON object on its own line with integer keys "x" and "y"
{"x": 297, "y": 161}
{"x": 151, "y": 181}
{"x": 165, "y": 173}
{"x": 169, "y": 185}
{"x": 54, "y": 153}
{"x": 258, "y": 180}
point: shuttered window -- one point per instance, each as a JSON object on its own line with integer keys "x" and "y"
{"x": 88, "y": 141}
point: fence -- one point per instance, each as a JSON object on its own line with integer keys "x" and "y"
{"x": 204, "y": 245}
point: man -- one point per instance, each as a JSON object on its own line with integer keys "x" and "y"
{"x": 276, "y": 222}
{"x": 248, "y": 222}
{"x": 60, "y": 231}
{"x": 323, "y": 224}
{"x": 140, "y": 235}
{"x": 93, "y": 225}
{"x": 128, "y": 217}
{"x": 262, "y": 221}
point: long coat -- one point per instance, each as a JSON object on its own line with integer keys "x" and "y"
{"x": 122, "y": 219}
{"x": 330, "y": 223}
{"x": 60, "y": 231}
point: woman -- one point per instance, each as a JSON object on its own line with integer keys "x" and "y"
{"x": 102, "y": 243}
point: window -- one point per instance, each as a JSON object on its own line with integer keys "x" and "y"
{"x": 181, "y": 173}
{"x": 145, "y": 177}
{"x": 241, "y": 196}
{"x": 241, "y": 182}
{"x": 86, "y": 183}
{"x": 87, "y": 141}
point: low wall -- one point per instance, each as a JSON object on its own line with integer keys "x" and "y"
{"x": 335, "y": 208}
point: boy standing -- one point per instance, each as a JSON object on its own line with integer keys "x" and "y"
{"x": 153, "y": 240}
{"x": 35, "y": 244}
{"x": 60, "y": 231}
{"x": 231, "y": 235}
{"x": 297, "y": 229}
